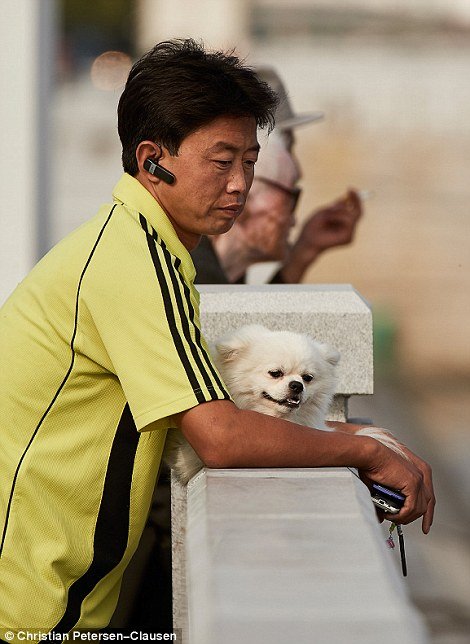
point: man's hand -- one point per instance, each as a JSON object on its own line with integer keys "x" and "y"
{"x": 418, "y": 466}
{"x": 412, "y": 477}
{"x": 426, "y": 472}
{"x": 330, "y": 226}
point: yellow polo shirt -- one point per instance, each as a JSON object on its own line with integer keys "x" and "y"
{"x": 101, "y": 341}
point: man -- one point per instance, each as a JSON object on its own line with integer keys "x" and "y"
{"x": 102, "y": 352}
{"x": 262, "y": 232}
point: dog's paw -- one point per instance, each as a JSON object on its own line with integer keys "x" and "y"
{"x": 184, "y": 474}
{"x": 180, "y": 456}
{"x": 384, "y": 437}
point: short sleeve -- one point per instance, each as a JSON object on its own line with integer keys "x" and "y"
{"x": 146, "y": 316}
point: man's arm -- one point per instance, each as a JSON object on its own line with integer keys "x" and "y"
{"x": 328, "y": 227}
{"x": 224, "y": 436}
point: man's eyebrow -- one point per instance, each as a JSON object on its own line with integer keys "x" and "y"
{"x": 222, "y": 146}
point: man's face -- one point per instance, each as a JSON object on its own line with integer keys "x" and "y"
{"x": 268, "y": 219}
{"x": 269, "y": 212}
{"x": 214, "y": 172}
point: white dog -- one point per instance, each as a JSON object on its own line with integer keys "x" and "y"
{"x": 279, "y": 373}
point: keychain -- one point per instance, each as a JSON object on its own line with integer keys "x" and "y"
{"x": 401, "y": 540}
{"x": 390, "y": 542}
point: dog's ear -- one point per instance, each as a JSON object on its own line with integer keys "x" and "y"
{"x": 231, "y": 346}
{"x": 330, "y": 354}
{"x": 226, "y": 351}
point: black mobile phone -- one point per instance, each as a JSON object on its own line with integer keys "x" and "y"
{"x": 388, "y": 500}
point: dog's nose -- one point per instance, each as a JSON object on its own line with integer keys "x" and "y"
{"x": 296, "y": 386}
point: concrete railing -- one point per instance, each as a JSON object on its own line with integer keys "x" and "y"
{"x": 288, "y": 555}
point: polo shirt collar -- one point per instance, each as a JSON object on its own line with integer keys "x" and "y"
{"x": 132, "y": 193}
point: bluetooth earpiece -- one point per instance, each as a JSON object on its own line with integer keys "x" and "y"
{"x": 152, "y": 166}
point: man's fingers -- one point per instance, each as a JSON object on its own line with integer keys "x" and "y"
{"x": 428, "y": 516}
{"x": 428, "y": 489}
{"x": 430, "y": 499}
{"x": 416, "y": 501}
{"x": 354, "y": 199}
{"x": 411, "y": 511}
{"x": 416, "y": 506}
{"x": 428, "y": 519}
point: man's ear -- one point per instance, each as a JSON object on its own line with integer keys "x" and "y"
{"x": 148, "y": 150}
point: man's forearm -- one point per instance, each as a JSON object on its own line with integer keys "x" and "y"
{"x": 297, "y": 263}
{"x": 250, "y": 439}
{"x": 278, "y": 445}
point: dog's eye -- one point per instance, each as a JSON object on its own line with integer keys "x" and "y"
{"x": 307, "y": 377}
{"x": 277, "y": 373}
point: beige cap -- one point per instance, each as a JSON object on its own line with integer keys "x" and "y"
{"x": 285, "y": 116}
{"x": 275, "y": 163}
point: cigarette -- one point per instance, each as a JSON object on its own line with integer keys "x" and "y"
{"x": 365, "y": 194}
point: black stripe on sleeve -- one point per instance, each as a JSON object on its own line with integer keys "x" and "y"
{"x": 197, "y": 347}
{"x": 197, "y": 333}
{"x": 194, "y": 347}
{"x": 112, "y": 524}
{"x": 170, "y": 315}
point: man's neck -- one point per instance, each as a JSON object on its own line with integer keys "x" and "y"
{"x": 189, "y": 239}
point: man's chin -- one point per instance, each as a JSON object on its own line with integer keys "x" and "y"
{"x": 221, "y": 227}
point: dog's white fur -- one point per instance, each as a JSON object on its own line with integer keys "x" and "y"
{"x": 278, "y": 373}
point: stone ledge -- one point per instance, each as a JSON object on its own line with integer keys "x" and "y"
{"x": 283, "y": 555}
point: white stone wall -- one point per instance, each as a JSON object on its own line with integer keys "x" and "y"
{"x": 292, "y": 555}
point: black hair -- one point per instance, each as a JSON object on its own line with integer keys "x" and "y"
{"x": 177, "y": 87}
